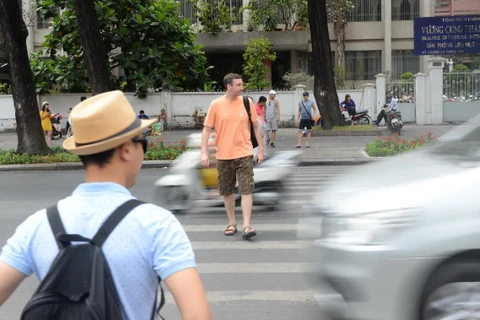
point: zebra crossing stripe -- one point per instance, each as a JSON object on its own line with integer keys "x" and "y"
{"x": 258, "y": 227}
{"x": 232, "y": 296}
{"x": 261, "y": 267}
{"x": 248, "y": 245}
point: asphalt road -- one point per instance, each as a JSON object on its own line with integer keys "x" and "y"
{"x": 262, "y": 279}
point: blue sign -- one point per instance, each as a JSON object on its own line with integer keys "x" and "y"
{"x": 447, "y": 35}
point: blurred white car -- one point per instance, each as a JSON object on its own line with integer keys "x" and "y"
{"x": 400, "y": 238}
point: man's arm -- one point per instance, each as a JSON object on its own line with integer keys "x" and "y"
{"x": 277, "y": 106}
{"x": 204, "y": 146}
{"x": 258, "y": 134}
{"x": 299, "y": 113}
{"x": 189, "y": 294}
{"x": 10, "y": 279}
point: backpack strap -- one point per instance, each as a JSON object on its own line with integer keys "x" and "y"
{"x": 246, "y": 103}
{"x": 113, "y": 220}
{"x": 56, "y": 225}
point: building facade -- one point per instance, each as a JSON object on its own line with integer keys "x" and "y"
{"x": 378, "y": 39}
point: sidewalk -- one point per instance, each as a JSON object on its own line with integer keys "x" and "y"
{"x": 325, "y": 150}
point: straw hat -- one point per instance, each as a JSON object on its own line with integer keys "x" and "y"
{"x": 103, "y": 122}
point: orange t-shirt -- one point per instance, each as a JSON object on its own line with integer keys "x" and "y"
{"x": 230, "y": 121}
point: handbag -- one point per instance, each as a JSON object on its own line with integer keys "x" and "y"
{"x": 311, "y": 120}
{"x": 253, "y": 138}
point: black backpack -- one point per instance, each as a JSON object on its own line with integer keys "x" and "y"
{"x": 79, "y": 284}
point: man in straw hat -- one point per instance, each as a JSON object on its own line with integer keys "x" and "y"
{"x": 147, "y": 243}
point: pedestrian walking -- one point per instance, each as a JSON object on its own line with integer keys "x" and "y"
{"x": 260, "y": 108}
{"x": 307, "y": 112}
{"x": 227, "y": 115}
{"x": 272, "y": 115}
{"x": 147, "y": 243}
{"x": 47, "y": 128}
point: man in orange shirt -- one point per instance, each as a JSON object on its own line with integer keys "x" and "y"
{"x": 228, "y": 116}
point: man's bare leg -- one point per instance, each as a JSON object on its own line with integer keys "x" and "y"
{"x": 247, "y": 204}
{"x": 229, "y": 201}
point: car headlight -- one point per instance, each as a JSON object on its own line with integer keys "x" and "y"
{"x": 366, "y": 229}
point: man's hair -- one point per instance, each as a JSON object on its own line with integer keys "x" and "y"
{"x": 228, "y": 79}
{"x": 262, "y": 99}
{"x": 141, "y": 111}
{"x": 99, "y": 159}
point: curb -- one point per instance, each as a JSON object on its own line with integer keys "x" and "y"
{"x": 73, "y": 166}
{"x": 322, "y": 133}
{"x": 162, "y": 164}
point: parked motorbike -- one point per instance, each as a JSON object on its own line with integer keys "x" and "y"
{"x": 189, "y": 186}
{"x": 56, "y": 127}
{"x": 394, "y": 119}
{"x": 359, "y": 118}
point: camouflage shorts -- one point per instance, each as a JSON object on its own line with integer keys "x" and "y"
{"x": 229, "y": 171}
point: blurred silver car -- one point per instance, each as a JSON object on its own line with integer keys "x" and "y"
{"x": 400, "y": 238}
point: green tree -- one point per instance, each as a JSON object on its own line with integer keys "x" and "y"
{"x": 269, "y": 12}
{"x": 154, "y": 47}
{"x": 460, "y": 67}
{"x": 214, "y": 16}
{"x": 255, "y": 71}
{"x": 337, "y": 11}
{"x": 14, "y": 32}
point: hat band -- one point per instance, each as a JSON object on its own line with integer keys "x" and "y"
{"x": 135, "y": 125}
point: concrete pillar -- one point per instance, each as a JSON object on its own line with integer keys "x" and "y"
{"x": 427, "y": 9}
{"x": 368, "y": 99}
{"x": 166, "y": 103}
{"x": 420, "y": 97}
{"x": 434, "y": 109}
{"x": 387, "y": 44}
{"x": 299, "y": 89}
{"x": 381, "y": 84}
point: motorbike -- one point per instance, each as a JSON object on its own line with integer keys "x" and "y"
{"x": 359, "y": 118}
{"x": 189, "y": 186}
{"x": 394, "y": 119}
{"x": 56, "y": 127}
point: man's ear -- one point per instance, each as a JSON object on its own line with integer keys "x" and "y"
{"x": 125, "y": 151}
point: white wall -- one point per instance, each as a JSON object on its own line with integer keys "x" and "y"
{"x": 179, "y": 106}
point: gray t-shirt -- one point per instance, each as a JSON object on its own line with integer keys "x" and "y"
{"x": 271, "y": 111}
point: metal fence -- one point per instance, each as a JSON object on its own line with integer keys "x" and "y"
{"x": 461, "y": 86}
{"x": 402, "y": 90}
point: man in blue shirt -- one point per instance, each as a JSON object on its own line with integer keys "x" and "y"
{"x": 307, "y": 112}
{"x": 147, "y": 243}
{"x": 142, "y": 115}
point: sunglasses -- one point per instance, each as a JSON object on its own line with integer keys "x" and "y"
{"x": 143, "y": 141}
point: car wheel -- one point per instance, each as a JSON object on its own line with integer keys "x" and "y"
{"x": 173, "y": 198}
{"x": 453, "y": 292}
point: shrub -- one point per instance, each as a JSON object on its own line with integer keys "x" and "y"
{"x": 157, "y": 150}
{"x": 384, "y": 147}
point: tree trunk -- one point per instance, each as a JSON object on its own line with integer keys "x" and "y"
{"x": 339, "y": 28}
{"x": 29, "y": 129}
{"x": 324, "y": 86}
{"x": 94, "y": 51}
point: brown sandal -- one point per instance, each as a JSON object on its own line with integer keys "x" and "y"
{"x": 248, "y": 232}
{"x": 230, "y": 230}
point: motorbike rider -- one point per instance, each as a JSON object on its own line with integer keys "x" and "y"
{"x": 383, "y": 113}
{"x": 349, "y": 105}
